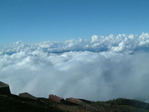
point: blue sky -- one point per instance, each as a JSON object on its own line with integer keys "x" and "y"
{"x": 58, "y": 20}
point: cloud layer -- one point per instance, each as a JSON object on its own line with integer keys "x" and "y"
{"x": 101, "y": 68}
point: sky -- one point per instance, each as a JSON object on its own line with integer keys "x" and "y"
{"x": 59, "y": 20}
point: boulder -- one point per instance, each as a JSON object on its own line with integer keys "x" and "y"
{"x": 55, "y": 98}
{"x": 27, "y": 95}
{"x": 74, "y": 100}
{"x": 4, "y": 89}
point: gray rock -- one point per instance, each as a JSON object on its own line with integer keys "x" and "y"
{"x": 27, "y": 95}
{"x": 4, "y": 89}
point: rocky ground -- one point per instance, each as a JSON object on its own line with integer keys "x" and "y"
{"x": 25, "y": 102}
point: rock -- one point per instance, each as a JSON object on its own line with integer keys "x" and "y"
{"x": 74, "y": 100}
{"x": 27, "y": 95}
{"x": 55, "y": 98}
{"x": 4, "y": 89}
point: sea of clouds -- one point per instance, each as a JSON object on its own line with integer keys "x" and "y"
{"x": 102, "y": 68}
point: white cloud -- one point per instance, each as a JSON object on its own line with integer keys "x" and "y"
{"x": 98, "y": 69}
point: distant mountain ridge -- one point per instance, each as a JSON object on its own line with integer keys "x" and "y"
{"x": 28, "y": 103}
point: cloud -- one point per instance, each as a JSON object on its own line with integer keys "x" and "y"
{"x": 101, "y": 68}
{"x": 119, "y": 44}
